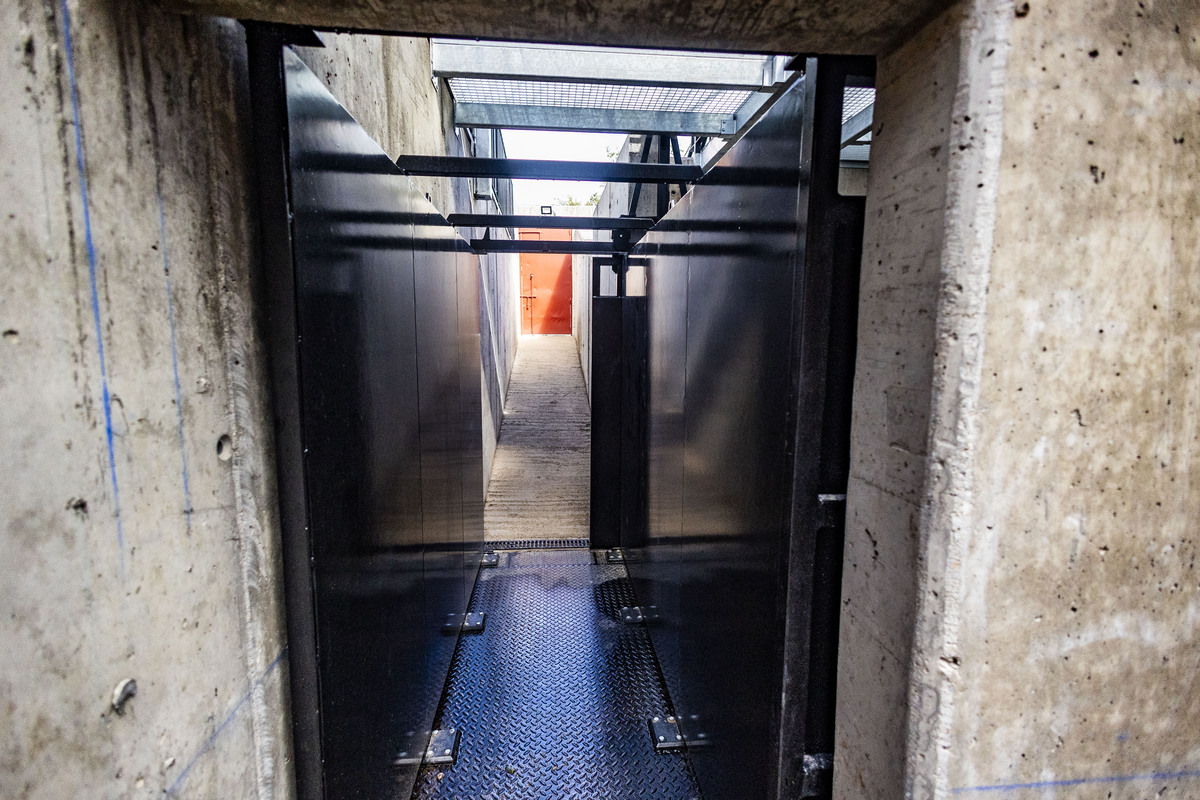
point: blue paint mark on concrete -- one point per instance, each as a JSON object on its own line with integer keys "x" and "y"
{"x": 204, "y": 748}
{"x": 91, "y": 254}
{"x": 1146, "y": 776}
{"x": 162, "y": 235}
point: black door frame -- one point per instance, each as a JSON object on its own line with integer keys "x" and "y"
{"x": 277, "y": 277}
{"x": 825, "y": 305}
{"x": 824, "y": 343}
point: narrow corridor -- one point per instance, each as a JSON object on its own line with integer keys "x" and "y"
{"x": 540, "y": 479}
{"x": 554, "y": 697}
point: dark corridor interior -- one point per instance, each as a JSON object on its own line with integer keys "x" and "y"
{"x": 690, "y": 655}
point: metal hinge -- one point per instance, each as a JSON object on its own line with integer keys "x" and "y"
{"x": 818, "y": 774}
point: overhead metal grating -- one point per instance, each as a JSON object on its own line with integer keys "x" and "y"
{"x": 561, "y": 94}
{"x": 858, "y": 112}
{"x": 558, "y": 87}
{"x": 855, "y": 99}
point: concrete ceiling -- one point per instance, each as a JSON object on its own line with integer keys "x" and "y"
{"x": 768, "y": 26}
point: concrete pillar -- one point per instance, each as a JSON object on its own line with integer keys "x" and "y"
{"x": 138, "y": 514}
{"x": 1020, "y": 542}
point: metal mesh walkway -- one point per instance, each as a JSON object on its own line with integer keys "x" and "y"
{"x": 553, "y": 697}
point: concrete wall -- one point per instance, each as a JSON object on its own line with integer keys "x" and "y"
{"x": 903, "y": 241}
{"x": 1076, "y": 536}
{"x": 138, "y": 509}
{"x": 1020, "y": 550}
{"x": 581, "y": 315}
{"x": 140, "y": 535}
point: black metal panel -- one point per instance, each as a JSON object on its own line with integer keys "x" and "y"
{"x": 606, "y": 374}
{"x": 824, "y": 341}
{"x": 619, "y": 398}
{"x": 732, "y": 299}
{"x": 655, "y": 569}
{"x": 470, "y": 427}
{"x": 634, "y": 399}
{"x": 390, "y": 383}
{"x": 270, "y": 131}
{"x": 734, "y": 478}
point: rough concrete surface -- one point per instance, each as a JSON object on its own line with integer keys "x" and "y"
{"x": 1020, "y": 537}
{"x": 901, "y": 274}
{"x": 1079, "y": 638}
{"x": 782, "y": 26}
{"x": 138, "y": 510}
{"x": 540, "y": 486}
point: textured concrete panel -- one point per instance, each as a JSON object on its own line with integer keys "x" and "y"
{"x": 1080, "y": 628}
{"x": 901, "y": 275}
{"x": 783, "y": 26}
{"x": 384, "y": 82}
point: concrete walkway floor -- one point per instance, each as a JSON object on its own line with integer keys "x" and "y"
{"x": 540, "y": 484}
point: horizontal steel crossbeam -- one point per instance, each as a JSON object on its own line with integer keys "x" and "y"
{"x": 857, "y": 129}
{"x": 532, "y": 169}
{"x": 548, "y": 221}
{"x": 539, "y": 246}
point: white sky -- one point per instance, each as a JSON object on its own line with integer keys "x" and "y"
{"x": 557, "y": 146}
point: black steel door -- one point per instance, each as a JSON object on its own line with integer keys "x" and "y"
{"x": 752, "y": 284}
{"x": 375, "y": 349}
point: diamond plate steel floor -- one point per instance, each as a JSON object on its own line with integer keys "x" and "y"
{"x": 553, "y": 697}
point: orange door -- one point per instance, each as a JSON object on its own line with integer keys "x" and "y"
{"x": 545, "y": 285}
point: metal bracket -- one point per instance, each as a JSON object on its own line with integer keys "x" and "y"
{"x": 615, "y": 556}
{"x": 441, "y": 749}
{"x": 818, "y": 774}
{"x": 490, "y": 560}
{"x": 637, "y": 615}
{"x": 632, "y": 615}
{"x": 472, "y": 622}
{"x": 832, "y": 510}
{"x": 665, "y": 733}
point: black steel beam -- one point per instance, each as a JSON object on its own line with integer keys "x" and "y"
{"x": 549, "y": 221}
{"x": 540, "y": 246}
{"x": 606, "y": 171}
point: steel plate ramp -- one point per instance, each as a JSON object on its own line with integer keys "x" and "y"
{"x": 553, "y": 699}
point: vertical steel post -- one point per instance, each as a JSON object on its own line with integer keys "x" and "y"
{"x": 825, "y": 311}
{"x": 276, "y": 270}
{"x": 664, "y": 189}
